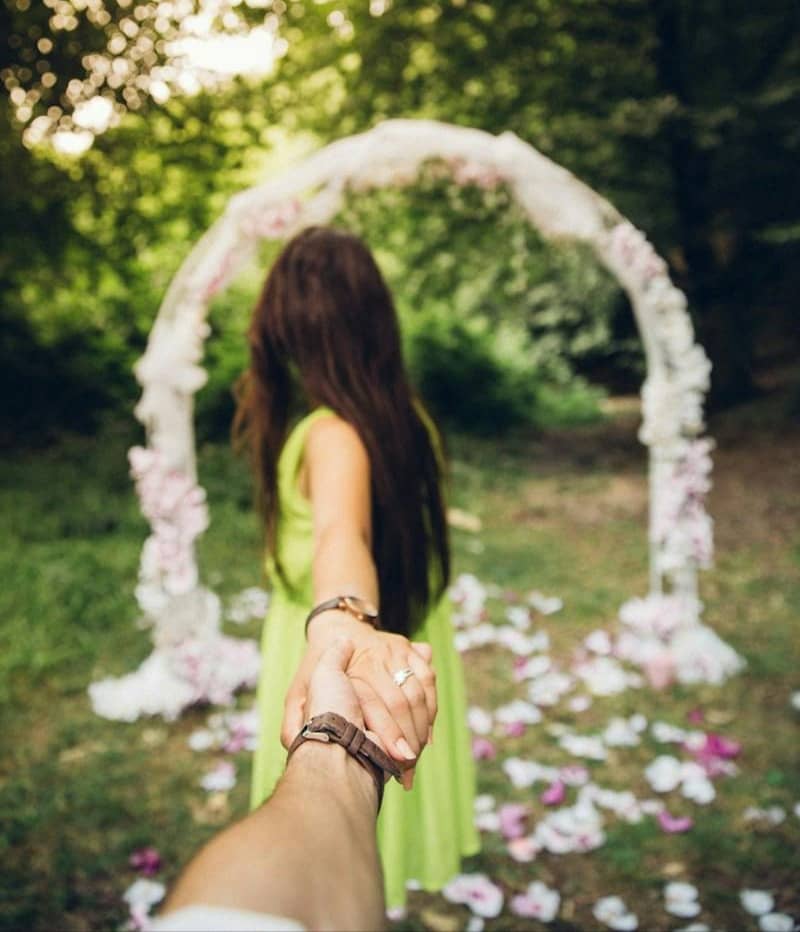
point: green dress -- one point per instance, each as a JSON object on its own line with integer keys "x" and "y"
{"x": 422, "y": 834}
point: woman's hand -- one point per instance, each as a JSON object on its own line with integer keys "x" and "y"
{"x": 401, "y": 716}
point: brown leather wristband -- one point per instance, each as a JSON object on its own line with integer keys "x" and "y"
{"x": 331, "y": 727}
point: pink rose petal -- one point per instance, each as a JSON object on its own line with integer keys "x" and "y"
{"x": 515, "y": 729}
{"x": 147, "y": 861}
{"x": 483, "y": 749}
{"x": 513, "y": 817}
{"x": 554, "y": 794}
{"x": 674, "y": 825}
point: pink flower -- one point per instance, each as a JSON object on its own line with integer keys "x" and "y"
{"x": 515, "y": 729}
{"x": 674, "y": 825}
{"x": 523, "y": 850}
{"x": 695, "y": 716}
{"x": 660, "y": 670}
{"x": 483, "y": 749}
{"x": 554, "y": 794}
{"x": 147, "y": 861}
{"x": 513, "y": 817}
{"x": 726, "y": 748}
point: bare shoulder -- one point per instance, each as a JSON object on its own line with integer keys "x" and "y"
{"x": 335, "y": 443}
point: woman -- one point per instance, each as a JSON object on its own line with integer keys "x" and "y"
{"x": 353, "y": 507}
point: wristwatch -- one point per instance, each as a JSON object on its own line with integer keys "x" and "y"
{"x": 360, "y": 608}
{"x": 331, "y": 727}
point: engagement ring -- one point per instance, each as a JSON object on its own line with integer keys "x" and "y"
{"x": 402, "y": 675}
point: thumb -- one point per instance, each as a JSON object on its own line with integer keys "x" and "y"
{"x": 335, "y": 658}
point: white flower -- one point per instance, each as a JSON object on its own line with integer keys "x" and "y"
{"x": 699, "y": 789}
{"x": 220, "y": 778}
{"x": 469, "y": 597}
{"x": 579, "y": 704}
{"x": 681, "y": 900}
{"x": 487, "y": 821}
{"x": 664, "y": 773}
{"x": 776, "y": 922}
{"x": 475, "y": 924}
{"x": 484, "y": 898}
{"x": 201, "y": 740}
{"x": 588, "y": 746}
{"x": 524, "y": 773}
{"x": 546, "y": 690}
{"x": 144, "y": 894}
{"x": 757, "y": 902}
{"x": 620, "y": 733}
{"x": 485, "y": 802}
{"x": 534, "y": 667}
{"x": 518, "y": 711}
{"x": 479, "y": 720}
{"x": 248, "y": 604}
{"x": 603, "y": 676}
{"x": 694, "y": 927}
{"x": 519, "y": 616}
{"x": 612, "y": 912}
{"x": 538, "y": 902}
{"x": 795, "y": 700}
{"x": 598, "y": 642}
{"x": 546, "y": 605}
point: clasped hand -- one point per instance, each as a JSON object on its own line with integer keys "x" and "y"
{"x": 399, "y": 717}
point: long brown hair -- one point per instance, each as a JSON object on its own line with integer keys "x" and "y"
{"x": 325, "y": 327}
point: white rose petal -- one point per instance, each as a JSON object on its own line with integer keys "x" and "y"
{"x": 776, "y": 922}
{"x": 144, "y": 893}
{"x": 757, "y": 902}
{"x": 479, "y": 721}
{"x": 664, "y": 773}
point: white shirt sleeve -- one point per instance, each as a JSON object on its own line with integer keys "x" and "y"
{"x": 220, "y": 919}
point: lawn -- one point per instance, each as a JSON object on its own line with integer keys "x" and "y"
{"x": 564, "y": 513}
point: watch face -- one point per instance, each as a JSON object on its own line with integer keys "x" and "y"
{"x": 360, "y": 606}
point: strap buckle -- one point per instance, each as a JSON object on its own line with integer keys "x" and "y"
{"x": 314, "y": 735}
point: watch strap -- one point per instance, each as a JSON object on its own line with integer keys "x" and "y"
{"x": 340, "y": 731}
{"x": 338, "y": 602}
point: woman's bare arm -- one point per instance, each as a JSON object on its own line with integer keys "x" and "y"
{"x": 336, "y": 476}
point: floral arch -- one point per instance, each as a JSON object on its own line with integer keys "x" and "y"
{"x": 192, "y": 660}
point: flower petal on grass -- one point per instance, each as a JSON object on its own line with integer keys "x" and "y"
{"x": 612, "y": 912}
{"x": 538, "y": 902}
{"x": 757, "y": 902}
{"x": 144, "y": 894}
{"x": 776, "y": 922}
{"x": 513, "y": 817}
{"x": 483, "y": 749}
{"x": 523, "y": 850}
{"x": 554, "y": 794}
{"x": 219, "y": 779}
{"x": 146, "y": 860}
{"x": 479, "y": 720}
{"x": 674, "y": 825}
{"x": 483, "y": 897}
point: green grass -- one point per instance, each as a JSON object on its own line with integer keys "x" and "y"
{"x": 562, "y": 512}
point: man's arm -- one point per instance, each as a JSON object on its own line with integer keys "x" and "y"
{"x": 310, "y": 852}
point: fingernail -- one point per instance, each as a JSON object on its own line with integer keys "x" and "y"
{"x": 405, "y": 749}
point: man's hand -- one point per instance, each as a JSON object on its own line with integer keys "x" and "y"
{"x": 329, "y": 688}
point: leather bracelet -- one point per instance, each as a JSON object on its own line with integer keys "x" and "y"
{"x": 331, "y": 727}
